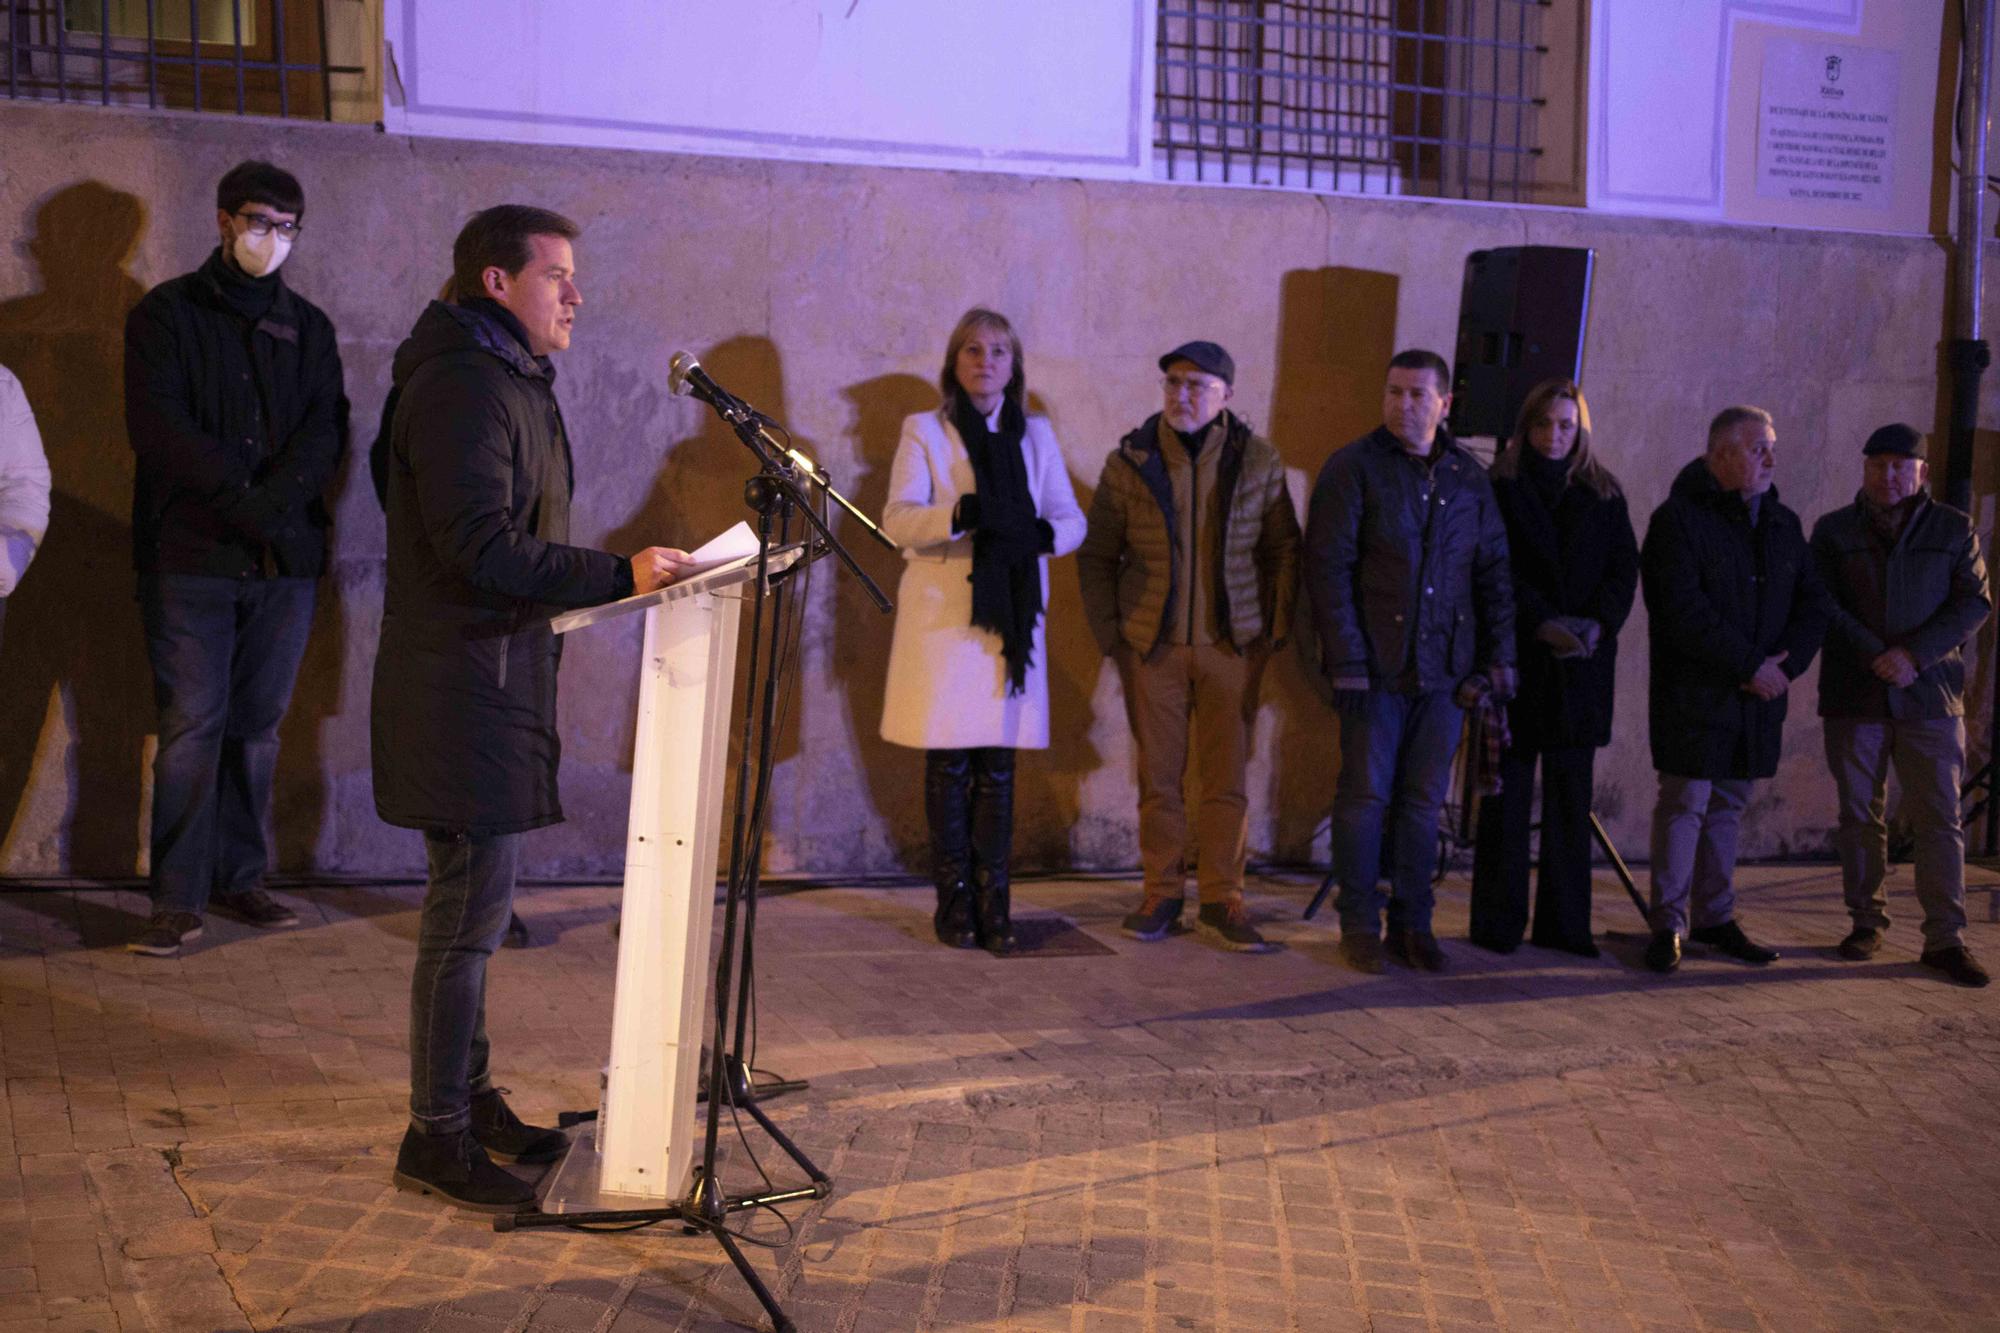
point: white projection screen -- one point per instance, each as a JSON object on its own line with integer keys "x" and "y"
{"x": 1035, "y": 86}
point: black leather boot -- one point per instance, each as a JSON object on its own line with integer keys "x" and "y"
{"x": 948, "y": 810}
{"x": 993, "y": 847}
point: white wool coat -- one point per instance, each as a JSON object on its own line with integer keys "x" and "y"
{"x": 947, "y": 685}
{"x": 24, "y": 484}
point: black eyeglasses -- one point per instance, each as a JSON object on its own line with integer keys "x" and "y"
{"x": 263, "y": 224}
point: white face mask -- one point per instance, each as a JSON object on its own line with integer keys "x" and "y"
{"x": 260, "y": 255}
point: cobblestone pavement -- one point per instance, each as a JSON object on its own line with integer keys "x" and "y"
{"x": 1166, "y": 1137}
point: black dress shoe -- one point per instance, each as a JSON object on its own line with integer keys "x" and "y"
{"x": 1663, "y": 955}
{"x": 1958, "y": 964}
{"x": 1491, "y": 945}
{"x": 1418, "y": 949}
{"x": 1728, "y": 938}
{"x": 505, "y": 1138}
{"x": 455, "y": 1167}
{"x": 1583, "y": 948}
{"x": 1861, "y": 944}
{"x": 1362, "y": 950}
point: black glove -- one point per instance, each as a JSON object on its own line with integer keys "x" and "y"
{"x": 965, "y": 514}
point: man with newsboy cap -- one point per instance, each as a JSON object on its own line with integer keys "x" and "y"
{"x": 1188, "y": 570}
{"x": 1909, "y": 588}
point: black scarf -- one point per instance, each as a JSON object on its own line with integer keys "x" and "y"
{"x": 249, "y": 297}
{"x": 1545, "y": 476}
{"x": 1006, "y": 546}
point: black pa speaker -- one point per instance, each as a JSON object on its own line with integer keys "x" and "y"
{"x": 1521, "y": 319}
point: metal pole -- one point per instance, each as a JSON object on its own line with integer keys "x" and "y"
{"x": 1968, "y": 353}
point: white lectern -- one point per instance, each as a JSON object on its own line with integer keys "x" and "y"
{"x": 642, "y": 1146}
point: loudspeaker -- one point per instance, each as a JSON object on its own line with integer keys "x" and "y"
{"x": 1521, "y": 318}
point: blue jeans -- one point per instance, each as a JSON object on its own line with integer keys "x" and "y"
{"x": 1395, "y": 767}
{"x": 466, "y": 906}
{"x": 225, "y": 653}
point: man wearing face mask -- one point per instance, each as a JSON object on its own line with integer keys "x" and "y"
{"x": 1909, "y": 588}
{"x": 1736, "y": 610}
{"x": 235, "y": 410}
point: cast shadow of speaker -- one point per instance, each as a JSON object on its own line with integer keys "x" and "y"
{"x": 75, "y": 690}
{"x": 697, "y": 493}
{"x": 1336, "y": 333}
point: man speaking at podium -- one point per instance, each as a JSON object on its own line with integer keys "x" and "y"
{"x": 463, "y": 724}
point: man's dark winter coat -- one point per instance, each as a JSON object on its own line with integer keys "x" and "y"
{"x": 238, "y": 423}
{"x": 479, "y": 480}
{"x": 1721, "y": 597}
{"x": 1406, "y": 566}
{"x": 1926, "y": 594}
{"x": 1580, "y": 560}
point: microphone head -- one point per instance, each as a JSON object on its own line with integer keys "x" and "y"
{"x": 680, "y": 371}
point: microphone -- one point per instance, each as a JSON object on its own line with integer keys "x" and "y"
{"x": 685, "y": 376}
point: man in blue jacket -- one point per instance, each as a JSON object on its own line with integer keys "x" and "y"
{"x": 1735, "y": 612}
{"x": 1909, "y": 588}
{"x": 1406, "y": 564}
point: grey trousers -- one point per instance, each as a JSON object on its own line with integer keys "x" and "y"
{"x": 1929, "y": 758}
{"x": 1694, "y": 851}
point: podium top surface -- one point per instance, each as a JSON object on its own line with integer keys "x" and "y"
{"x": 726, "y": 575}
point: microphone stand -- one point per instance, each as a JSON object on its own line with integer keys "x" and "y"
{"x": 774, "y": 490}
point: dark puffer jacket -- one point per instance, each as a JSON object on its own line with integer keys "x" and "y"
{"x": 1406, "y": 565}
{"x": 1580, "y": 560}
{"x": 463, "y": 723}
{"x": 1927, "y": 594}
{"x": 1126, "y": 563}
{"x": 1721, "y": 597}
{"x": 238, "y": 425}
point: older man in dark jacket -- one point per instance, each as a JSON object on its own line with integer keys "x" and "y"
{"x": 236, "y": 412}
{"x": 1736, "y": 610}
{"x": 1909, "y": 588}
{"x": 1406, "y": 564}
{"x": 464, "y": 713}
{"x": 1189, "y": 568}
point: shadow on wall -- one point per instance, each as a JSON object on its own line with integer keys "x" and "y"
{"x": 698, "y": 493}
{"x": 72, "y": 628}
{"x": 1336, "y": 333}
{"x": 894, "y": 774}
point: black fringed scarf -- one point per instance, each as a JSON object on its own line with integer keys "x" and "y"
{"x": 1007, "y": 544}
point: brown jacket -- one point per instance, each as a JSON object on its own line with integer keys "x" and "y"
{"x": 1126, "y": 561}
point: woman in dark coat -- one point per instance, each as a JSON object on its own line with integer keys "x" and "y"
{"x": 1575, "y": 566}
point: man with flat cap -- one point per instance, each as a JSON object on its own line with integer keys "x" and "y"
{"x": 1908, "y": 588}
{"x": 1189, "y": 569}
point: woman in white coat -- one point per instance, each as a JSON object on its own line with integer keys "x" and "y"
{"x": 979, "y": 499}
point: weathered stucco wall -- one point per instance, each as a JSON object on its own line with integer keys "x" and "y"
{"x": 824, "y": 295}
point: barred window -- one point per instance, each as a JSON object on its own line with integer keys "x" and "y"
{"x": 1410, "y": 97}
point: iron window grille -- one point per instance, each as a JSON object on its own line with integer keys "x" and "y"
{"x": 1409, "y": 97}
{"x": 241, "y": 57}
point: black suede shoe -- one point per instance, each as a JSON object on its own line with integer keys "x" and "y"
{"x": 1663, "y": 955}
{"x": 1156, "y": 918}
{"x": 1361, "y": 949}
{"x": 1958, "y": 964}
{"x": 454, "y": 1167}
{"x": 258, "y": 908}
{"x": 1728, "y": 938}
{"x": 1861, "y": 944}
{"x": 505, "y": 1138}
{"x": 1228, "y": 924}
{"x": 1416, "y": 948}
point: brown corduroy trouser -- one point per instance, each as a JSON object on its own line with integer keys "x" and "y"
{"x": 1199, "y": 699}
